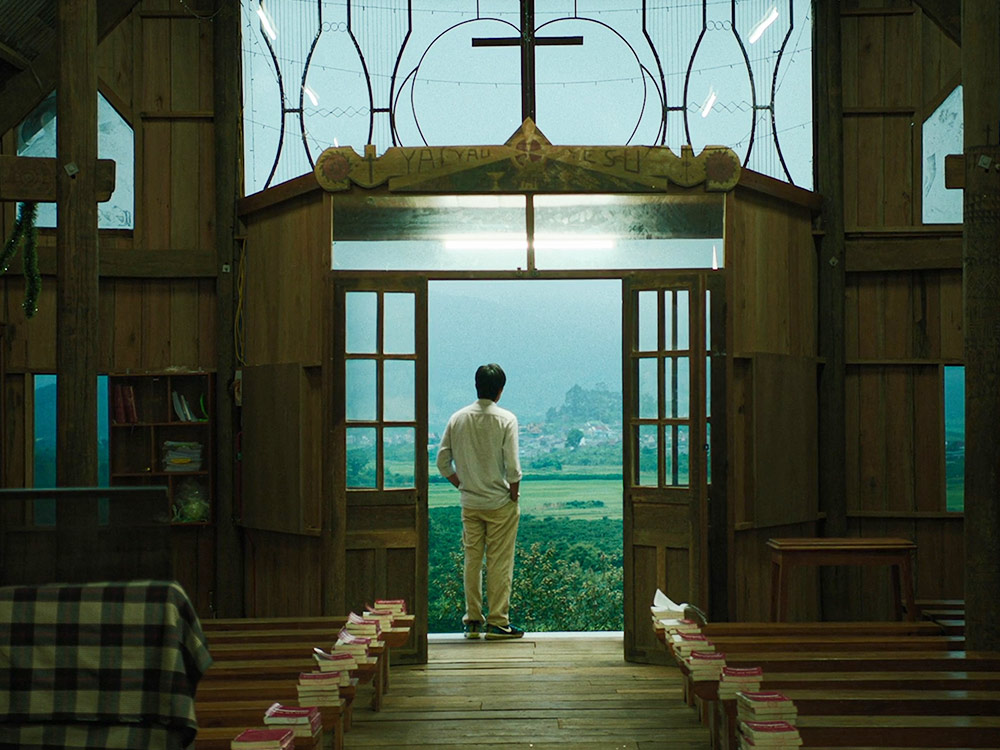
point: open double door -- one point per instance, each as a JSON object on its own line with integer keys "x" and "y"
{"x": 380, "y": 451}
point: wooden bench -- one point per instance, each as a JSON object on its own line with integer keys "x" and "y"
{"x": 237, "y": 715}
{"x": 850, "y": 700}
{"x": 894, "y": 552}
{"x": 906, "y": 627}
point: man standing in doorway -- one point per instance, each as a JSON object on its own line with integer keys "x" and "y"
{"x": 478, "y": 455}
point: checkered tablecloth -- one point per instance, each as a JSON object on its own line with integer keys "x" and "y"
{"x": 112, "y": 663}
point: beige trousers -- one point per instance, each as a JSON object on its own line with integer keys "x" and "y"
{"x": 493, "y": 532}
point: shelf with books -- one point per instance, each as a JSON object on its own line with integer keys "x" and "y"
{"x": 162, "y": 433}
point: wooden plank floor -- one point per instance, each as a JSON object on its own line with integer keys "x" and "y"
{"x": 544, "y": 692}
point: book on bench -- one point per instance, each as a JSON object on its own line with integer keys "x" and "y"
{"x": 769, "y": 734}
{"x": 352, "y": 644}
{"x": 337, "y": 661}
{"x": 674, "y": 625}
{"x": 664, "y": 608}
{"x": 321, "y": 688}
{"x": 767, "y": 704}
{"x": 735, "y": 679}
{"x": 358, "y": 625}
{"x": 263, "y": 739}
{"x": 705, "y": 665}
{"x": 684, "y": 643}
{"x": 304, "y": 721}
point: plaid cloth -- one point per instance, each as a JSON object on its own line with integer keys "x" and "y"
{"x": 92, "y": 656}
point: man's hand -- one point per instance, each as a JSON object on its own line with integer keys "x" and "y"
{"x": 454, "y": 480}
{"x": 514, "y": 491}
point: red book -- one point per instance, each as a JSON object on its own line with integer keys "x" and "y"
{"x": 118, "y": 402}
{"x": 263, "y": 739}
{"x": 773, "y": 732}
{"x": 398, "y": 606}
{"x": 737, "y": 672}
{"x": 131, "y": 412}
{"x": 279, "y": 714}
{"x": 707, "y": 656}
{"x": 764, "y": 695}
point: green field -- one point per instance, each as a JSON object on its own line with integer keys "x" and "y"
{"x": 586, "y": 499}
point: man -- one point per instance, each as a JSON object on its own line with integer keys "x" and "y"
{"x": 478, "y": 455}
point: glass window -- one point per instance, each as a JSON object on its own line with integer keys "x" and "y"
{"x": 943, "y": 134}
{"x": 44, "y": 458}
{"x": 36, "y": 136}
{"x": 954, "y": 437}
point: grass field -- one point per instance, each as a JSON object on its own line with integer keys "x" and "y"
{"x": 552, "y": 497}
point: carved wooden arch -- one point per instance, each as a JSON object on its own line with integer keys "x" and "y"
{"x": 529, "y": 163}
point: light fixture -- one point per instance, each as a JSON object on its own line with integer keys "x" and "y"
{"x": 265, "y": 22}
{"x": 706, "y": 106}
{"x": 312, "y": 95}
{"x": 763, "y": 24}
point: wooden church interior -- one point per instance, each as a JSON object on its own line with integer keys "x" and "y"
{"x": 833, "y": 318}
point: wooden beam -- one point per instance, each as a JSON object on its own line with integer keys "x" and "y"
{"x": 904, "y": 253}
{"x": 24, "y": 178}
{"x": 23, "y": 92}
{"x": 981, "y": 320}
{"x": 77, "y": 301}
{"x": 15, "y": 58}
{"x": 947, "y": 14}
{"x": 142, "y": 264}
{"x": 828, "y": 105}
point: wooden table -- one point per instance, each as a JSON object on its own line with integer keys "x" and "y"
{"x": 897, "y": 553}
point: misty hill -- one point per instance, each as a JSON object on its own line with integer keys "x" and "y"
{"x": 582, "y": 405}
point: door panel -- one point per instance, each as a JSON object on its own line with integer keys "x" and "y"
{"x": 665, "y": 476}
{"x": 380, "y": 444}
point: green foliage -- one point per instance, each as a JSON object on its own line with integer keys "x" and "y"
{"x": 588, "y": 405}
{"x": 573, "y": 437}
{"x": 567, "y": 573}
{"x": 546, "y": 462}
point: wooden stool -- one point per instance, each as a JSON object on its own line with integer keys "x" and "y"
{"x": 897, "y": 553}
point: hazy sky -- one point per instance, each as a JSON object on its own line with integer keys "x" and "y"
{"x": 547, "y": 335}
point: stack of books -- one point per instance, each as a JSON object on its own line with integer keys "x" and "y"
{"x": 759, "y": 734}
{"x": 396, "y": 606}
{"x": 263, "y": 739}
{"x": 736, "y": 679}
{"x": 683, "y": 644}
{"x": 358, "y": 625}
{"x": 665, "y": 609}
{"x": 765, "y": 705}
{"x": 353, "y": 644}
{"x": 338, "y": 661}
{"x": 675, "y": 625}
{"x": 304, "y": 721}
{"x": 321, "y": 688}
{"x": 705, "y": 665}
{"x": 382, "y": 616}
{"x": 181, "y": 455}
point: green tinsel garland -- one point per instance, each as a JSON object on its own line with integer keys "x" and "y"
{"x": 24, "y": 230}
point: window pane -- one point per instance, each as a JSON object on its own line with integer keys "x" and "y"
{"x": 361, "y": 457}
{"x": 954, "y": 437}
{"x": 399, "y": 393}
{"x": 708, "y": 451}
{"x": 648, "y": 455}
{"x": 36, "y": 136}
{"x": 708, "y": 321}
{"x": 647, "y": 322}
{"x": 683, "y": 322}
{"x": 648, "y": 389}
{"x": 361, "y": 390}
{"x": 682, "y": 403}
{"x": 668, "y": 320}
{"x": 361, "y": 320}
{"x": 399, "y": 448}
{"x": 708, "y": 386}
{"x": 678, "y": 449}
{"x": 399, "y": 323}
{"x": 943, "y": 135}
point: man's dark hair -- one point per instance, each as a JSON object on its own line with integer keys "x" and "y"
{"x": 490, "y": 380}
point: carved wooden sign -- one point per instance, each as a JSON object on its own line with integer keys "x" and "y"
{"x": 529, "y": 163}
{"x": 28, "y": 178}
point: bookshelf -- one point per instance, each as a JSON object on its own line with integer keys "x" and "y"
{"x": 161, "y": 433}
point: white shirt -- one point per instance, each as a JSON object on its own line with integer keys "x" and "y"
{"x": 480, "y": 445}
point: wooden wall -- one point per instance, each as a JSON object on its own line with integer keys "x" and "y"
{"x": 771, "y": 374}
{"x": 157, "y": 286}
{"x": 284, "y": 440}
{"x": 903, "y": 317}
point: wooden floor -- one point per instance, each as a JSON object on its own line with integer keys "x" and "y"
{"x": 545, "y": 692}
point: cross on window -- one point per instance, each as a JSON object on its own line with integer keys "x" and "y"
{"x": 527, "y": 42}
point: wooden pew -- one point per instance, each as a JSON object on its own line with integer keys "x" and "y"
{"x": 850, "y": 699}
{"x": 836, "y": 643}
{"x": 234, "y": 716}
{"x": 714, "y": 629}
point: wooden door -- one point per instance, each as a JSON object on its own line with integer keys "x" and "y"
{"x": 665, "y": 449}
{"x": 380, "y": 444}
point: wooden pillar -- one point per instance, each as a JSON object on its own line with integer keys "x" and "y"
{"x": 76, "y": 245}
{"x": 829, "y": 168}
{"x": 981, "y": 281}
{"x": 228, "y": 599}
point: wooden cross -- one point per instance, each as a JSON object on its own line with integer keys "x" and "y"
{"x": 527, "y": 42}
{"x": 29, "y": 178}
